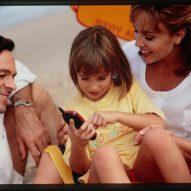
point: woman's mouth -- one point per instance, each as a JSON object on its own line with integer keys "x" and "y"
{"x": 145, "y": 52}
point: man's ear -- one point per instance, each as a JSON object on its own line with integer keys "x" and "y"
{"x": 180, "y": 35}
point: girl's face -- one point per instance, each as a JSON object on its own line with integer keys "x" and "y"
{"x": 94, "y": 87}
{"x": 154, "y": 45}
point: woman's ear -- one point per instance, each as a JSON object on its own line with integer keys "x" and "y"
{"x": 180, "y": 35}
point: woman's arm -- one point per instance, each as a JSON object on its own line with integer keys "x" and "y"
{"x": 184, "y": 146}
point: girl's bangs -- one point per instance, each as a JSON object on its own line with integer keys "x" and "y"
{"x": 93, "y": 64}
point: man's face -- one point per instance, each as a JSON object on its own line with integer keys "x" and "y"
{"x": 7, "y": 73}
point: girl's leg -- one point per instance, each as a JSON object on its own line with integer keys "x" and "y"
{"x": 47, "y": 172}
{"x": 107, "y": 167}
{"x": 160, "y": 160}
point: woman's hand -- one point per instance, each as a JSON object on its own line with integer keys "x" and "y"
{"x": 142, "y": 132}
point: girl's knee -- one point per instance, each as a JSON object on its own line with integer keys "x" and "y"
{"x": 104, "y": 155}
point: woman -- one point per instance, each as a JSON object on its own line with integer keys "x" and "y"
{"x": 160, "y": 58}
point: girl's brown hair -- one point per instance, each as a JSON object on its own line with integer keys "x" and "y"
{"x": 95, "y": 49}
{"x": 174, "y": 17}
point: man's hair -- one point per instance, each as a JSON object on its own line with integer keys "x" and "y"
{"x": 6, "y": 44}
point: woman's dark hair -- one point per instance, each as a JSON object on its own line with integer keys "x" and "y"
{"x": 95, "y": 49}
{"x": 6, "y": 44}
{"x": 174, "y": 17}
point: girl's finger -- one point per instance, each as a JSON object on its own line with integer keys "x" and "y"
{"x": 83, "y": 127}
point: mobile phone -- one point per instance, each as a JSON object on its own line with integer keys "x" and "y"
{"x": 78, "y": 119}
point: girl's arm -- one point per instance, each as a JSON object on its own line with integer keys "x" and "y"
{"x": 139, "y": 121}
{"x": 135, "y": 121}
{"x": 79, "y": 161}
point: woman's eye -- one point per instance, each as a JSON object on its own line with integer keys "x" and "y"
{"x": 149, "y": 37}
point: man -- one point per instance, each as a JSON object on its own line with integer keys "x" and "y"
{"x": 7, "y": 85}
{"x": 34, "y": 119}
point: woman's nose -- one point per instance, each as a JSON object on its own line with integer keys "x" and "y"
{"x": 139, "y": 40}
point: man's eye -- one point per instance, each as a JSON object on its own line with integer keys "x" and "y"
{"x": 2, "y": 76}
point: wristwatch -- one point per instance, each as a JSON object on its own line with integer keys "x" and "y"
{"x": 23, "y": 102}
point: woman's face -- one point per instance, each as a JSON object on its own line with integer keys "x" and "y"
{"x": 94, "y": 87}
{"x": 154, "y": 45}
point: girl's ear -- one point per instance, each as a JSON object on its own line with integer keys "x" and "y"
{"x": 180, "y": 35}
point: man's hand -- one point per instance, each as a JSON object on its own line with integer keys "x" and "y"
{"x": 62, "y": 134}
{"x": 30, "y": 132}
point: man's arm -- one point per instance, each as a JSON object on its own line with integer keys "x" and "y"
{"x": 30, "y": 131}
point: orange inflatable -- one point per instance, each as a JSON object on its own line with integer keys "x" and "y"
{"x": 113, "y": 17}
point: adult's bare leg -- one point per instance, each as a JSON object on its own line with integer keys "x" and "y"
{"x": 160, "y": 160}
{"x": 47, "y": 111}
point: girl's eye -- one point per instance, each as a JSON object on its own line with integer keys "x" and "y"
{"x": 84, "y": 78}
{"x": 102, "y": 78}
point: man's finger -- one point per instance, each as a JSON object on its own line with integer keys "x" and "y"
{"x": 40, "y": 146}
{"x": 34, "y": 151}
{"x": 37, "y": 160}
{"x": 22, "y": 148}
{"x": 46, "y": 140}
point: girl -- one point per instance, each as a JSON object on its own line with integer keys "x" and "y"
{"x": 112, "y": 103}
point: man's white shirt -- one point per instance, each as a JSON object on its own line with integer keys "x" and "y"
{"x": 7, "y": 173}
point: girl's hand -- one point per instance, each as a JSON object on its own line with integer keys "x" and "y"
{"x": 82, "y": 135}
{"x": 102, "y": 118}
